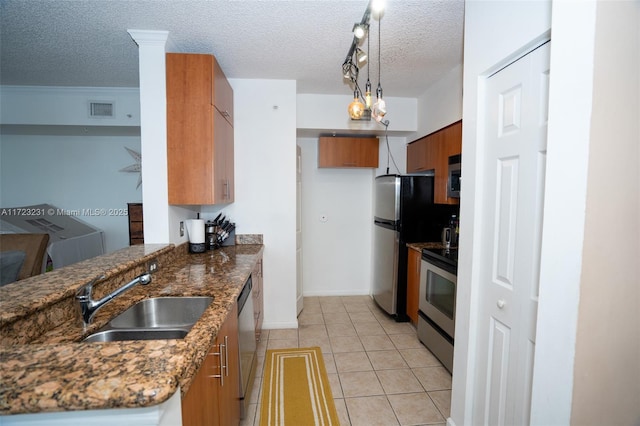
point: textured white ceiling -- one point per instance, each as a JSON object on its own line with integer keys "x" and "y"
{"x": 85, "y": 42}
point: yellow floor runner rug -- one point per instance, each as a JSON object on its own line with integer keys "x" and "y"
{"x": 295, "y": 389}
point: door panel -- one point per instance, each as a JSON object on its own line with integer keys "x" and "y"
{"x": 514, "y": 171}
{"x": 385, "y": 267}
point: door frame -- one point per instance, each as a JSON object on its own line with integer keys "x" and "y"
{"x": 468, "y": 290}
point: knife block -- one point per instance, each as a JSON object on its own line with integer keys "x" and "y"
{"x": 231, "y": 239}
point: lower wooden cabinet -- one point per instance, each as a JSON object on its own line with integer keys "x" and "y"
{"x": 413, "y": 284}
{"x": 214, "y": 396}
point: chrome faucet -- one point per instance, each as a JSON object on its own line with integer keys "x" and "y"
{"x": 88, "y": 306}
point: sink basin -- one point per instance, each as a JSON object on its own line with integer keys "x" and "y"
{"x": 138, "y": 334}
{"x": 162, "y": 312}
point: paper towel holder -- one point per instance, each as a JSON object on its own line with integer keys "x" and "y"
{"x": 195, "y": 231}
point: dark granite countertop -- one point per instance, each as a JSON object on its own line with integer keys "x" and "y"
{"x": 55, "y": 371}
{"x": 420, "y": 246}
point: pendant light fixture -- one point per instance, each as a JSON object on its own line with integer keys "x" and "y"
{"x": 379, "y": 109}
{"x": 367, "y": 86}
{"x": 356, "y": 59}
{"x": 356, "y": 108}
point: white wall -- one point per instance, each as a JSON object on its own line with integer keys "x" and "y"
{"x": 328, "y": 113}
{"x": 337, "y": 252}
{"x": 587, "y": 331}
{"x": 72, "y": 172}
{"x": 440, "y": 105}
{"x": 68, "y": 106}
{"x": 265, "y": 186}
{"x": 608, "y": 336}
{"x": 494, "y": 31}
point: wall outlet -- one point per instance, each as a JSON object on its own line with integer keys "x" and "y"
{"x": 181, "y": 228}
{"x": 152, "y": 266}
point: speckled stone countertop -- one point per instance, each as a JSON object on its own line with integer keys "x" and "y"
{"x": 420, "y": 246}
{"x": 55, "y": 371}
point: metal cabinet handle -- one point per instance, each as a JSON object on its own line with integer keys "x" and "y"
{"x": 218, "y": 354}
{"x": 226, "y": 356}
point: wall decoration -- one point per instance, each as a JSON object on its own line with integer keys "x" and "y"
{"x": 136, "y": 167}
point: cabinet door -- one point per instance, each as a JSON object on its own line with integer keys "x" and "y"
{"x": 222, "y": 159}
{"x": 413, "y": 284}
{"x": 348, "y": 152}
{"x": 229, "y": 391}
{"x": 190, "y": 154}
{"x": 200, "y": 151}
{"x": 417, "y": 156}
{"x": 189, "y": 78}
{"x": 222, "y": 93}
{"x": 200, "y": 404}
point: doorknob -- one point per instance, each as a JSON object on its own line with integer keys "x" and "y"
{"x": 501, "y": 303}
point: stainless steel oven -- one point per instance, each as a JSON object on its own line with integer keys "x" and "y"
{"x": 437, "y": 305}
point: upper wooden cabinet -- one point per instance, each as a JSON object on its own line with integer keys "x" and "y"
{"x": 336, "y": 151}
{"x": 432, "y": 152}
{"x": 199, "y": 131}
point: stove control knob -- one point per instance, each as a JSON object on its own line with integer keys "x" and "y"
{"x": 501, "y": 303}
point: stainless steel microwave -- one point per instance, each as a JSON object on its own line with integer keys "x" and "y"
{"x": 455, "y": 177}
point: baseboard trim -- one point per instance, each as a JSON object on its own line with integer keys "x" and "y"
{"x": 321, "y": 293}
{"x": 279, "y": 325}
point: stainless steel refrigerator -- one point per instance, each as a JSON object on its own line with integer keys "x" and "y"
{"x": 404, "y": 212}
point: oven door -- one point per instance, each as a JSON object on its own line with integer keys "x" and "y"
{"x": 438, "y": 296}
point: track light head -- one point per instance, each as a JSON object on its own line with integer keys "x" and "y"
{"x": 361, "y": 56}
{"x": 360, "y": 30}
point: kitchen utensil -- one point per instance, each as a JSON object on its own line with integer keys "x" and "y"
{"x": 195, "y": 232}
{"x": 446, "y": 237}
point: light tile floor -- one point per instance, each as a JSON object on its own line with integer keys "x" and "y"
{"x": 380, "y": 373}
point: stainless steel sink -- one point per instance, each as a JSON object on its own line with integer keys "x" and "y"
{"x": 162, "y": 312}
{"x": 154, "y": 319}
{"x": 136, "y": 334}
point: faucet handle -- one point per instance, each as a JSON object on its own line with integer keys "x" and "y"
{"x": 84, "y": 292}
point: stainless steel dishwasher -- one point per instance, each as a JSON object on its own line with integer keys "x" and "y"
{"x": 247, "y": 345}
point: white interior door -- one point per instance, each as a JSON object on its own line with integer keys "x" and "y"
{"x": 514, "y": 170}
{"x": 299, "y": 288}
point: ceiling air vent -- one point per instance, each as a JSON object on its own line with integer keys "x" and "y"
{"x": 101, "y": 109}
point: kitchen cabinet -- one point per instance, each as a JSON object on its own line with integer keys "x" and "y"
{"x": 136, "y": 223}
{"x": 200, "y": 138}
{"x": 213, "y": 397}
{"x": 258, "y": 304}
{"x": 432, "y": 152}
{"x": 337, "y": 151}
{"x": 413, "y": 284}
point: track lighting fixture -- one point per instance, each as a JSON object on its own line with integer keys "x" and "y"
{"x": 361, "y": 56}
{"x": 351, "y": 67}
{"x": 359, "y": 30}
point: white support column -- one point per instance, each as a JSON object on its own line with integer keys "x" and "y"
{"x": 153, "y": 125}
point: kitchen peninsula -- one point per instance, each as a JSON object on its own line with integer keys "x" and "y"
{"x": 47, "y": 369}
